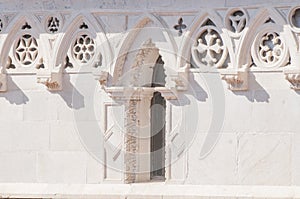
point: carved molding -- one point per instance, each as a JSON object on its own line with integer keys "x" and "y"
{"x": 145, "y": 55}
{"x": 131, "y": 140}
{"x": 137, "y": 93}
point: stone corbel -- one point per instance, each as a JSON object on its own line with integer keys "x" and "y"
{"x": 237, "y": 80}
{"x": 3, "y": 82}
{"x": 52, "y": 80}
{"x": 292, "y": 74}
{"x": 102, "y": 78}
{"x": 181, "y": 79}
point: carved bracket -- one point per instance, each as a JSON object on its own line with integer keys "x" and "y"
{"x": 237, "y": 80}
{"x": 52, "y": 80}
{"x": 3, "y": 83}
{"x": 181, "y": 79}
{"x": 292, "y": 74}
{"x": 102, "y": 78}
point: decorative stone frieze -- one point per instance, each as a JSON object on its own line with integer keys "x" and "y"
{"x": 233, "y": 41}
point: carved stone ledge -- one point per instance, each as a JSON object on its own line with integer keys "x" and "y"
{"x": 53, "y": 80}
{"x": 138, "y": 93}
{"x": 128, "y": 93}
{"x": 237, "y": 80}
{"x": 3, "y": 83}
{"x": 292, "y": 74}
{"x": 169, "y": 94}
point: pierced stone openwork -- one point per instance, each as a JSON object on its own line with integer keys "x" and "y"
{"x": 236, "y": 20}
{"x": 209, "y": 48}
{"x": 269, "y": 50}
{"x": 26, "y": 49}
{"x": 294, "y": 18}
{"x": 53, "y": 24}
{"x": 83, "y": 49}
{"x": 1, "y": 24}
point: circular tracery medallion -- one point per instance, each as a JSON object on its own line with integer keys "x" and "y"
{"x": 269, "y": 50}
{"x": 83, "y": 49}
{"x": 209, "y": 48}
{"x": 26, "y": 50}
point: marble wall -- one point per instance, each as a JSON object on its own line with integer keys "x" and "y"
{"x": 216, "y": 135}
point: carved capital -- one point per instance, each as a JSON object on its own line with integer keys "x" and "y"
{"x": 292, "y": 74}
{"x": 294, "y": 80}
{"x": 236, "y": 80}
{"x": 181, "y": 79}
{"x": 102, "y": 78}
{"x": 53, "y": 80}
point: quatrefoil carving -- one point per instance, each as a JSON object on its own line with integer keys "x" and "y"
{"x": 84, "y": 49}
{"x": 209, "y": 48}
{"x": 269, "y": 50}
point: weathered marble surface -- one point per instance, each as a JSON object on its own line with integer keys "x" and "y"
{"x": 254, "y": 155}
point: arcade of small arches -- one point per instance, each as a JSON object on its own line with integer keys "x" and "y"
{"x": 49, "y": 44}
{"x": 152, "y": 61}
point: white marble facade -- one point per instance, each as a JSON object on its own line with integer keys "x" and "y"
{"x": 75, "y": 97}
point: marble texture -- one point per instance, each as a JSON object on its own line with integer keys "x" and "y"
{"x": 220, "y": 142}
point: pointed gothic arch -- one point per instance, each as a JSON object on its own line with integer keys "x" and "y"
{"x": 13, "y": 32}
{"x": 191, "y": 35}
{"x": 244, "y": 55}
{"x": 92, "y": 27}
{"x": 168, "y": 50}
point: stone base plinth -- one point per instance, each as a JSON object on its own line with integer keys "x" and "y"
{"x": 141, "y": 190}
